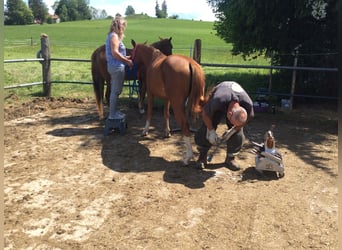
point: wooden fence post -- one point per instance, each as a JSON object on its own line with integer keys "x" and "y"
{"x": 45, "y": 53}
{"x": 294, "y": 74}
{"x": 270, "y": 80}
{"x": 197, "y": 51}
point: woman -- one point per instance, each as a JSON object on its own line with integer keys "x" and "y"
{"x": 116, "y": 61}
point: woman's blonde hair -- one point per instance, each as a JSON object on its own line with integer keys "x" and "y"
{"x": 118, "y": 26}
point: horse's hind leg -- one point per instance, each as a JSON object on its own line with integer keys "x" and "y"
{"x": 167, "y": 118}
{"x": 107, "y": 92}
{"x": 98, "y": 89}
{"x": 180, "y": 117}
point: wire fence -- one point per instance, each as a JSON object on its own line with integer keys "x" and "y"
{"x": 186, "y": 50}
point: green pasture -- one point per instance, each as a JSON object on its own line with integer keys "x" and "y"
{"x": 79, "y": 39}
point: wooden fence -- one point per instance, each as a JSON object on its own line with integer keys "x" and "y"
{"x": 43, "y": 56}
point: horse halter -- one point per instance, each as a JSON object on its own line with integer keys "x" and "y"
{"x": 134, "y": 53}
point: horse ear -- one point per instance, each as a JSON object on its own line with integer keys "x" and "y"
{"x": 133, "y": 42}
{"x": 170, "y": 38}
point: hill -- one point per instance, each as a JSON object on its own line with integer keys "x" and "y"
{"x": 80, "y": 38}
{"x": 92, "y": 33}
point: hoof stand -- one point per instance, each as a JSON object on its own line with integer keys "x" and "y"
{"x": 112, "y": 124}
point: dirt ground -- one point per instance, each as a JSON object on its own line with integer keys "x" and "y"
{"x": 67, "y": 186}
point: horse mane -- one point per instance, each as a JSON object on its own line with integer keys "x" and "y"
{"x": 155, "y": 52}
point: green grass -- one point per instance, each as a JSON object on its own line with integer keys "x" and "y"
{"x": 79, "y": 39}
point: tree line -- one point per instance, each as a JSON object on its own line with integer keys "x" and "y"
{"x": 17, "y": 12}
{"x": 159, "y": 12}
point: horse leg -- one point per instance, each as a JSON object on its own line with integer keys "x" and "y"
{"x": 107, "y": 92}
{"x": 98, "y": 89}
{"x": 142, "y": 89}
{"x": 167, "y": 118}
{"x": 142, "y": 94}
{"x": 149, "y": 114}
{"x": 180, "y": 117}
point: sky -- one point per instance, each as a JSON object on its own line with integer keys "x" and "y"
{"x": 185, "y": 9}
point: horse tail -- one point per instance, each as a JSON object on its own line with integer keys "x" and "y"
{"x": 97, "y": 83}
{"x": 197, "y": 84}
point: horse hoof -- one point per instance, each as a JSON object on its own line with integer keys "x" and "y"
{"x": 167, "y": 135}
{"x": 142, "y": 111}
{"x": 144, "y": 133}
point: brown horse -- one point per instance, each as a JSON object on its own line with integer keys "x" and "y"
{"x": 101, "y": 76}
{"x": 176, "y": 79}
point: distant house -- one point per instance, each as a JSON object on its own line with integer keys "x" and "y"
{"x": 55, "y": 18}
{"x": 37, "y": 21}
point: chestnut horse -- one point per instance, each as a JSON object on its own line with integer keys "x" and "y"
{"x": 179, "y": 81}
{"x": 101, "y": 76}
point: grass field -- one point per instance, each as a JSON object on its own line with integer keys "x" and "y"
{"x": 79, "y": 39}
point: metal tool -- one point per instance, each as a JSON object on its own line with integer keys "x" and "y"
{"x": 225, "y": 137}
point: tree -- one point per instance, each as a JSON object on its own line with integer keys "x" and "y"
{"x": 282, "y": 27}
{"x": 94, "y": 13}
{"x": 72, "y": 10}
{"x": 276, "y": 25}
{"x": 161, "y": 13}
{"x": 173, "y": 16}
{"x": 17, "y": 13}
{"x": 103, "y": 14}
{"x": 83, "y": 10}
{"x": 39, "y": 9}
{"x": 97, "y": 13}
{"x": 55, "y": 6}
{"x": 129, "y": 11}
{"x": 158, "y": 14}
{"x": 164, "y": 9}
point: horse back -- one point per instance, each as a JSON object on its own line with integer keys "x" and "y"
{"x": 155, "y": 83}
{"x": 168, "y": 78}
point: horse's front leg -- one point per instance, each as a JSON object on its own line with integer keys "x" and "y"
{"x": 142, "y": 93}
{"x": 167, "y": 118}
{"x": 149, "y": 114}
{"x": 142, "y": 90}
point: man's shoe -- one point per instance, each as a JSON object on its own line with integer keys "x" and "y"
{"x": 231, "y": 164}
{"x": 202, "y": 160}
{"x": 199, "y": 165}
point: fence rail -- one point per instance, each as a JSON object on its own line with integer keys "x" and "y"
{"x": 269, "y": 67}
{"x": 24, "y": 60}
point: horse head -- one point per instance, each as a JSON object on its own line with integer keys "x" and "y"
{"x": 164, "y": 45}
